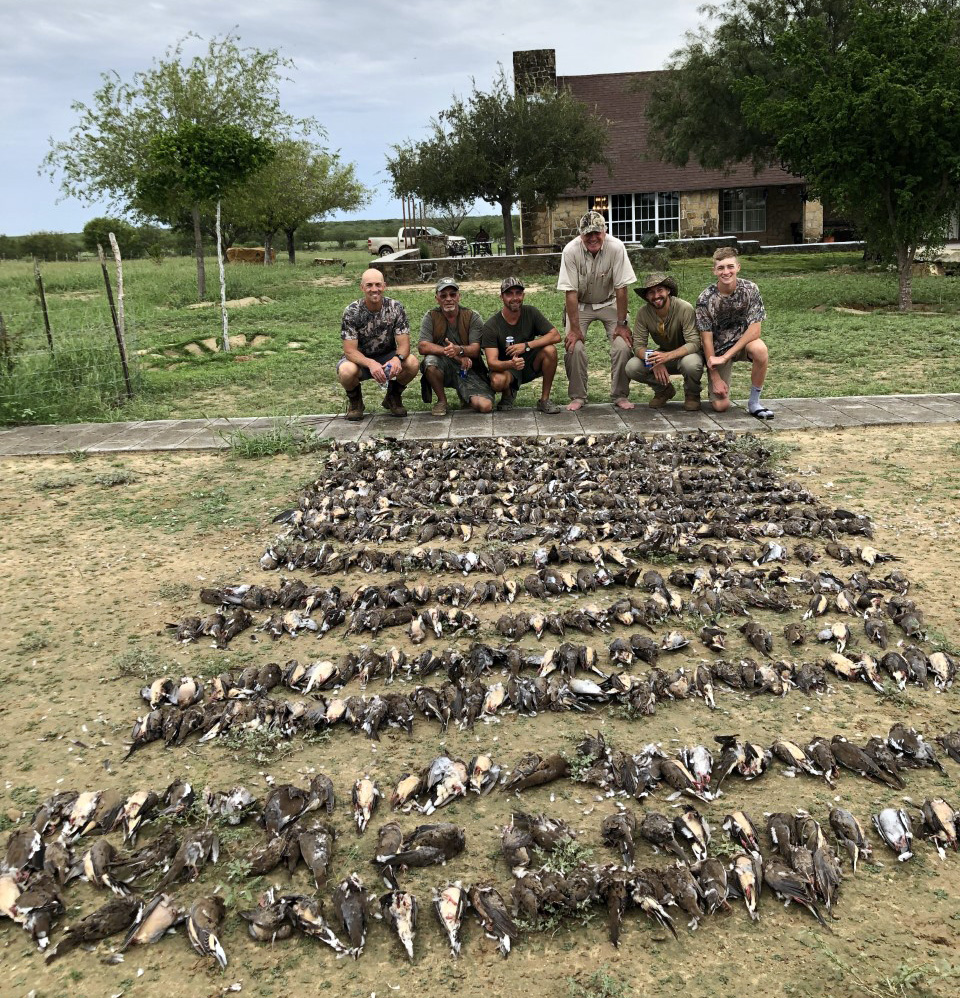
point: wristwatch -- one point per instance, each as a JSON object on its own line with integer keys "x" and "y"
{"x": 461, "y": 351}
{"x": 526, "y": 349}
{"x": 623, "y": 322}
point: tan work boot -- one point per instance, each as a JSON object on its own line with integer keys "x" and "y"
{"x": 661, "y": 397}
{"x": 439, "y": 408}
{"x": 691, "y": 403}
{"x": 392, "y": 401}
{"x": 355, "y": 409}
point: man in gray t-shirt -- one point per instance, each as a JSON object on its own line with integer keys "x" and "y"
{"x": 452, "y": 358}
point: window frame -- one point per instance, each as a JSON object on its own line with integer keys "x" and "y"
{"x": 740, "y": 219}
{"x": 635, "y": 211}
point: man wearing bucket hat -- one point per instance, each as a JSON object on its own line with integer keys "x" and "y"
{"x": 452, "y": 358}
{"x": 671, "y": 323}
{"x": 595, "y": 273}
{"x": 520, "y": 345}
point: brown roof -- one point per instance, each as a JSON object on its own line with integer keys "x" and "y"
{"x": 611, "y": 95}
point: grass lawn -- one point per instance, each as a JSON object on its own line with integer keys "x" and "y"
{"x": 285, "y": 363}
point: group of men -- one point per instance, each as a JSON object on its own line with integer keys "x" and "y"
{"x": 518, "y": 344}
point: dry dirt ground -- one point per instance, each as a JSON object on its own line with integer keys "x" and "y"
{"x": 98, "y": 554}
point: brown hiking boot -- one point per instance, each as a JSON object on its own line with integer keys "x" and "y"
{"x": 392, "y": 401}
{"x": 439, "y": 408}
{"x": 355, "y": 409}
{"x": 691, "y": 403}
{"x": 661, "y": 397}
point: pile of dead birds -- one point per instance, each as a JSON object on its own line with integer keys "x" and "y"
{"x": 247, "y": 701}
{"x": 43, "y": 856}
{"x": 565, "y": 535}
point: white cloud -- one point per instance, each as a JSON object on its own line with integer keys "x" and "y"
{"x": 372, "y": 74}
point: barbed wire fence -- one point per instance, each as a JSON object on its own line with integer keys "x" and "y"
{"x": 62, "y": 358}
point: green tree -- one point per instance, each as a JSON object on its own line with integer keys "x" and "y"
{"x": 502, "y": 147}
{"x": 109, "y": 149}
{"x": 129, "y": 237}
{"x": 49, "y": 245}
{"x": 860, "y": 98}
{"x": 304, "y": 182}
{"x": 201, "y": 162}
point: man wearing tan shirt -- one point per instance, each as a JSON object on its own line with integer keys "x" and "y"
{"x": 671, "y": 323}
{"x": 595, "y": 273}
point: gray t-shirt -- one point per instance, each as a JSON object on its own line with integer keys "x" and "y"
{"x": 474, "y": 333}
{"x": 375, "y": 332}
{"x": 727, "y": 316}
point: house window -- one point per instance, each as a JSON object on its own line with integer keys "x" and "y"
{"x": 744, "y": 209}
{"x": 630, "y": 217}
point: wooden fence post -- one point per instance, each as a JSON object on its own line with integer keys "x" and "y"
{"x": 223, "y": 285}
{"x": 121, "y": 346}
{"x": 43, "y": 303}
{"x": 6, "y": 346}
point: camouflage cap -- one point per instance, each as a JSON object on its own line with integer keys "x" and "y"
{"x": 446, "y": 282}
{"x": 593, "y": 221}
{"x": 510, "y": 282}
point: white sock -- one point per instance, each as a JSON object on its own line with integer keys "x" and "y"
{"x": 754, "y": 403}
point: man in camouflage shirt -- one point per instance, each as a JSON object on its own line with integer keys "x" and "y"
{"x": 729, "y": 314}
{"x": 376, "y": 344}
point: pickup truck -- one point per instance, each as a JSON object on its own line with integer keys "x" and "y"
{"x": 382, "y": 245}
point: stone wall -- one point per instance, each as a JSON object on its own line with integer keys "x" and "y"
{"x": 495, "y": 268}
{"x": 543, "y": 226}
{"x": 699, "y": 213}
{"x": 812, "y": 221}
{"x": 534, "y": 70}
{"x": 784, "y": 216}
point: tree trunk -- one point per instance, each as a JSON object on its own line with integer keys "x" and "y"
{"x": 291, "y": 247}
{"x": 505, "y": 207}
{"x": 198, "y": 251}
{"x": 905, "y": 258}
{"x": 267, "y": 248}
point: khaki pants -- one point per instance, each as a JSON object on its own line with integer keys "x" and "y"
{"x": 690, "y": 366}
{"x": 575, "y": 360}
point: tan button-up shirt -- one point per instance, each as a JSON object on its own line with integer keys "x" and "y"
{"x": 595, "y": 278}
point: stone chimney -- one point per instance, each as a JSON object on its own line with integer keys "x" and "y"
{"x": 533, "y": 70}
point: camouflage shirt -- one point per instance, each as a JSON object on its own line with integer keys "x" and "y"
{"x": 375, "y": 332}
{"x": 727, "y": 316}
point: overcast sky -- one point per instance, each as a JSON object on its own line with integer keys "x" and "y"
{"x": 372, "y": 74}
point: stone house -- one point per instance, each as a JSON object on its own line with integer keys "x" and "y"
{"x": 643, "y": 194}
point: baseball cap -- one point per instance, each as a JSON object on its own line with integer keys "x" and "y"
{"x": 510, "y": 282}
{"x": 446, "y": 282}
{"x": 592, "y": 221}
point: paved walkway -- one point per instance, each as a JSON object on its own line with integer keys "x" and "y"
{"x": 214, "y": 434}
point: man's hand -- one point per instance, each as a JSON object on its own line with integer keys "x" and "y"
{"x": 451, "y": 350}
{"x": 656, "y": 357}
{"x": 516, "y": 350}
{"x": 716, "y": 361}
{"x": 573, "y": 337}
{"x": 465, "y": 363}
{"x": 661, "y": 374}
{"x": 624, "y": 332}
{"x": 719, "y": 386}
{"x": 382, "y": 374}
{"x": 517, "y": 362}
